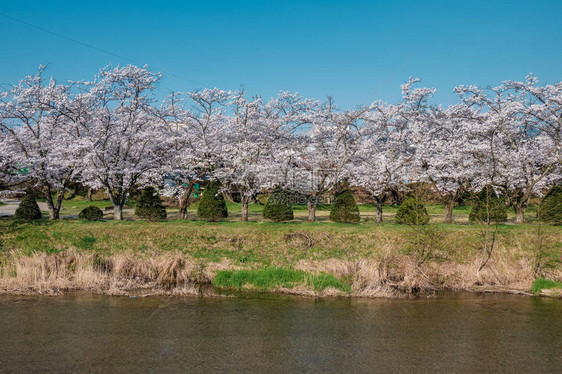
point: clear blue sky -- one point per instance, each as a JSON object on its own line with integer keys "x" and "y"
{"x": 346, "y": 49}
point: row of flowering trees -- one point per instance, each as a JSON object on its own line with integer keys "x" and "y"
{"x": 112, "y": 133}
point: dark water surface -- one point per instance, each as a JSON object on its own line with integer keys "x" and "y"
{"x": 457, "y": 333}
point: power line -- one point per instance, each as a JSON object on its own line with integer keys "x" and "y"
{"x": 88, "y": 45}
{"x": 388, "y": 79}
{"x": 67, "y": 38}
{"x": 173, "y": 76}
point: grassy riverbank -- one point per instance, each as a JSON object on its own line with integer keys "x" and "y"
{"x": 321, "y": 258}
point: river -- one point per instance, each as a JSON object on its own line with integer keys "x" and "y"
{"x": 277, "y": 333}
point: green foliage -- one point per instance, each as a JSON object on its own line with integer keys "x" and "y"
{"x": 212, "y": 206}
{"x": 85, "y": 242}
{"x": 412, "y": 212}
{"x": 488, "y": 207}
{"x": 91, "y": 213}
{"x": 150, "y": 205}
{"x": 277, "y": 207}
{"x": 271, "y": 278}
{"x": 345, "y": 209}
{"x": 28, "y": 210}
{"x": 541, "y": 284}
{"x": 551, "y": 206}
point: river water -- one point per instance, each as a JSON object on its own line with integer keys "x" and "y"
{"x": 272, "y": 333}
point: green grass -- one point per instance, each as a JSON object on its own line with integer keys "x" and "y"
{"x": 75, "y": 205}
{"x": 541, "y": 284}
{"x": 271, "y": 278}
{"x": 250, "y": 242}
{"x": 85, "y": 242}
{"x": 72, "y": 207}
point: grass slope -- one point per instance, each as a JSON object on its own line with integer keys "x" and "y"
{"x": 362, "y": 259}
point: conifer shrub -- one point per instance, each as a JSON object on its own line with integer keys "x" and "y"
{"x": 488, "y": 207}
{"x": 28, "y": 210}
{"x": 412, "y": 212}
{"x": 278, "y": 207}
{"x": 212, "y": 206}
{"x": 150, "y": 205}
{"x": 91, "y": 213}
{"x": 551, "y": 206}
{"x": 345, "y": 209}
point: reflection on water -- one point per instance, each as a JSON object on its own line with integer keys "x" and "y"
{"x": 459, "y": 333}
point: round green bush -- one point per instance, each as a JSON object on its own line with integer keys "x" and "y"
{"x": 28, "y": 209}
{"x": 412, "y": 212}
{"x": 345, "y": 209}
{"x": 551, "y": 206}
{"x": 150, "y": 205}
{"x": 488, "y": 207}
{"x": 278, "y": 207}
{"x": 212, "y": 206}
{"x": 91, "y": 213}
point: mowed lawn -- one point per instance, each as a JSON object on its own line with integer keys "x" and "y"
{"x": 71, "y": 208}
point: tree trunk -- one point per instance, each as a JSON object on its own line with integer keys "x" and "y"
{"x": 378, "y": 213}
{"x": 118, "y": 212}
{"x": 449, "y": 205}
{"x": 182, "y": 213}
{"x": 519, "y": 213}
{"x": 244, "y": 202}
{"x": 311, "y": 211}
{"x": 244, "y": 209}
{"x": 53, "y": 211}
{"x": 118, "y": 203}
{"x": 54, "y": 207}
{"x": 89, "y": 194}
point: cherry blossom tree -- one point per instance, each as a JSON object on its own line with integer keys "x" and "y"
{"x": 543, "y": 106}
{"x": 36, "y": 149}
{"x": 246, "y": 150}
{"x": 383, "y": 155}
{"x": 445, "y": 159}
{"x": 199, "y": 130}
{"x": 508, "y": 150}
{"x": 125, "y": 142}
{"x": 112, "y": 133}
{"x": 386, "y": 158}
{"x": 257, "y": 143}
{"x": 330, "y": 146}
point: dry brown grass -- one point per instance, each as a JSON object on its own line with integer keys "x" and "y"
{"x": 389, "y": 275}
{"x": 117, "y": 275}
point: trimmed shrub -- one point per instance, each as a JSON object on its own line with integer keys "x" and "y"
{"x": 488, "y": 207}
{"x": 551, "y": 206}
{"x": 28, "y": 209}
{"x": 412, "y": 212}
{"x": 150, "y": 205}
{"x": 91, "y": 213}
{"x": 277, "y": 207}
{"x": 345, "y": 209}
{"x": 212, "y": 206}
